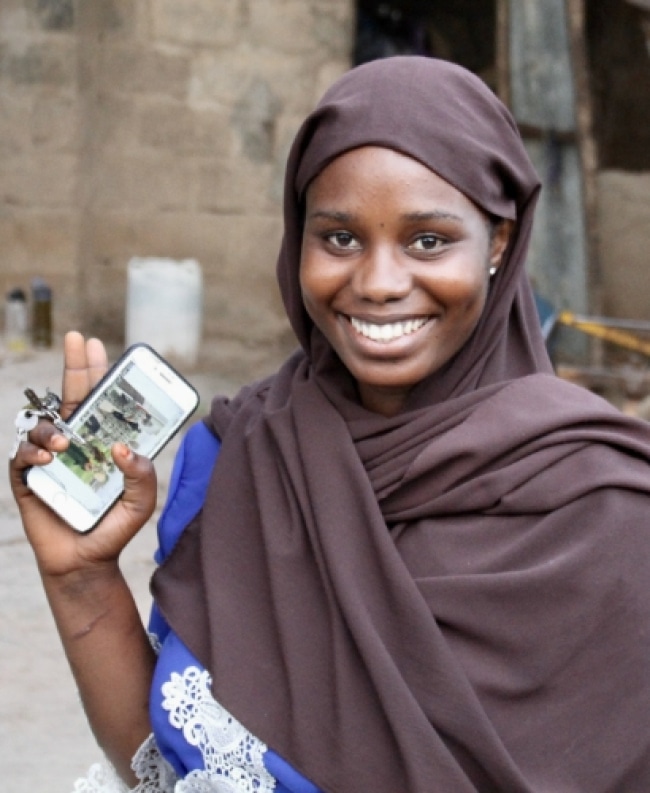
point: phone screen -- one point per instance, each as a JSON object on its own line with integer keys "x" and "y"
{"x": 142, "y": 402}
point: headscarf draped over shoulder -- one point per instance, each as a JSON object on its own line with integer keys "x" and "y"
{"x": 452, "y": 599}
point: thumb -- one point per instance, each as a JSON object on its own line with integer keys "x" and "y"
{"x": 140, "y": 486}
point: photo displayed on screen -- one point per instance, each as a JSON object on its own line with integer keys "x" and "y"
{"x": 132, "y": 410}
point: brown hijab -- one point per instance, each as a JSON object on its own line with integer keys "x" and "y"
{"x": 455, "y": 599}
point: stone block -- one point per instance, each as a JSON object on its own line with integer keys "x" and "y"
{"x": 315, "y": 29}
{"x": 111, "y": 120}
{"x": 39, "y": 180}
{"x": 37, "y": 243}
{"x": 51, "y": 63}
{"x": 250, "y": 251}
{"x": 145, "y": 71}
{"x": 14, "y": 19}
{"x": 284, "y": 25}
{"x": 246, "y": 311}
{"x": 182, "y": 130}
{"x": 255, "y": 117}
{"x": 55, "y": 15}
{"x": 207, "y": 22}
{"x": 235, "y": 187}
{"x": 624, "y": 241}
{"x": 66, "y": 308}
{"x": 55, "y": 122}
{"x": 224, "y": 79}
{"x": 113, "y": 19}
{"x": 15, "y": 122}
{"x": 218, "y": 75}
{"x": 334, "y": 27}
{"x": 142, "y": 183}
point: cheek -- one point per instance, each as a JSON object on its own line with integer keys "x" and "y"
{"x": 309, "y": 283}
{"x": 314, "y": 295}
{"x": 319, "y": 281}
{"x": 464, "y": 295}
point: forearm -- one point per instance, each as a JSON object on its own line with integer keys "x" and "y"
{"x": 109, "y": 655}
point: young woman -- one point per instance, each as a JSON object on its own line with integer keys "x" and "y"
{"x": 420, "y": 561}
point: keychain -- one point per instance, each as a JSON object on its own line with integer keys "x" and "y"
{"x": 46, "y": 407}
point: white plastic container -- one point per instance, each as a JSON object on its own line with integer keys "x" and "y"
{"x": 164, "y": 306}
{"x": 16, "y": 322}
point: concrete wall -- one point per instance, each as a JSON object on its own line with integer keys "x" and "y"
{"x": 160, "y": 128}
{"x": 624, "y": 242}
{"x": 156, "y": 128}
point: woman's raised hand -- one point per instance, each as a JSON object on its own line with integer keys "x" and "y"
{"x": 58, "y": 548}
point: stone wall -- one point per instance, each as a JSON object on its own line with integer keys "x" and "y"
{"x": 156, "y": 128}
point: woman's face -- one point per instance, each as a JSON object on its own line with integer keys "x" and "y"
{"x": 394, "y": 269}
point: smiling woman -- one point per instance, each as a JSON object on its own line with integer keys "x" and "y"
{"x": 394, "y": 270}
{"x": 420, "y": 562}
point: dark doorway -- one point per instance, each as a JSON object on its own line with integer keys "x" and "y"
{"x": 619, "y": 64}
{"x": 462, "y": 31}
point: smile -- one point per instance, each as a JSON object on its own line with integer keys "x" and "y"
{"x": 388, "y": 331}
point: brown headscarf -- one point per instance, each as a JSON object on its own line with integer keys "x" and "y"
{"x": 455, "y": 599}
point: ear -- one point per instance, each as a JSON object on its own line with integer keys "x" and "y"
{"x": 499, "y": 240}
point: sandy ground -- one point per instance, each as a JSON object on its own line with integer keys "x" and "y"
{"x": 45, "y": 743}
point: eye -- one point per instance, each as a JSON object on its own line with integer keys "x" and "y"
{"x": 427, "y": 243}
{"x": 342, "y": 240}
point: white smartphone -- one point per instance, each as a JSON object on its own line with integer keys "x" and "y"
{"x": 141, "y": 401}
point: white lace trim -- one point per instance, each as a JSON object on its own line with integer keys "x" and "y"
{"x": 153, "y": 772}
{"x": 232, "y": 757}
{"x": 101, "y": 779}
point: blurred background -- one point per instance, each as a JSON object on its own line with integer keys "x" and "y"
{"x": 159, "y": 130}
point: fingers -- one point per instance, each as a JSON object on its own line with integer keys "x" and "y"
{"x": 86, "y": 363}
{"x": 43, "y": 442}
{"x": 97, "y": 361}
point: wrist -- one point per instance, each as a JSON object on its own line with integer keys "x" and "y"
{"x": 84, "y": 577}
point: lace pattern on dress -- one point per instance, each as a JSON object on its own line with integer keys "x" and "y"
{"x": 154, "y": 773}
{"x": 233, "y": 758}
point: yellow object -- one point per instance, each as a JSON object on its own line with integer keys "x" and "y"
{"x": 621, "y": 337}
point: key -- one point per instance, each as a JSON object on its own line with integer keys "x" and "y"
{"x": 25, "y": 421}
{"x": 66, "y": 430}
{"x": 48, "y": 407}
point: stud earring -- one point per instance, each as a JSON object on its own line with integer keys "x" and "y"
{"x": 492, "y": 270}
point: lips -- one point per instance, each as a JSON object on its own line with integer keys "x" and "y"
{"x": 387, "y": 331}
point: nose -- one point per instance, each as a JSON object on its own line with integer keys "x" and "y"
{"x": 381, "y": 277}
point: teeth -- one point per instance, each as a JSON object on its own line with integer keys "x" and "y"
{"x": 387, "y": 332}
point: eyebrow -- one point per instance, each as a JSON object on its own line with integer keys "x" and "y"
{"x": 346, "y": 217}
{"x": 437, "y": 214}
{"x": 326, "y": 214}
